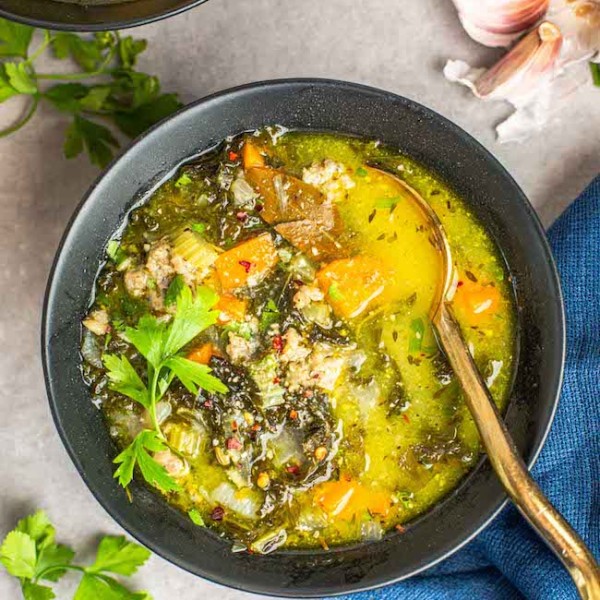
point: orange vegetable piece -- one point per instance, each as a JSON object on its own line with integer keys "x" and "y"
{"x": 347, "y": 498}
{"x": 353, "y": 285}
{"x": 251, "y": 156}
{"x": 232, "y": 308}
{"x": 474, "y": 301}
{"x": 203, "y": 354}
{"x": 247, "y": 263}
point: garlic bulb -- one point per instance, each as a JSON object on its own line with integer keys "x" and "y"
{"x": 542, "y": 69}
{"x": 499, "y": 22}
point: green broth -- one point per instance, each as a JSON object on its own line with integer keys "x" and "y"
{"x": 368, "y": 428}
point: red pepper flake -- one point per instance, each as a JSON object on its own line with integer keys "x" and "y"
{"x": 242, "y": 216}
{"x": 258, "y": 207}
{"x": 293, "y": 414}
{"x": 276, "y": 380}
{"x": 246, "y": 264}
{"x": 400, "y": 529}
{"x": 278, "y": 343}
{"x": 218, "y": 513}
{"x": 233, "y": 155}
{"x": 233, "y": 443}
{"x": 298, "y": 282}
{"x": 234, "y": 425}
{"x": 460, "y": 283}
{"x": 405, "y": 417}
{"x": 255, "y": 427}
{"x": 308, "y": 394}
{"x": 293, "y": 469}
{"x": 208, "y": 404}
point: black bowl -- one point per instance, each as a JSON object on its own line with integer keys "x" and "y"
{"x": 82, "y": 16}
{"x": 318, "y": 105}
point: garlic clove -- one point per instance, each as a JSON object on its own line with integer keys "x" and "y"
{"x": 499, "y": 22}
{"x": 524, "y": 66}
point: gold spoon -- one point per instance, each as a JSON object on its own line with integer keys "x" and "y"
{"x": 500, "y": 448}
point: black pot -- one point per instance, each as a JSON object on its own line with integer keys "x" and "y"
{"x": 318, "y": 105}
{"x": 79, "y": 15}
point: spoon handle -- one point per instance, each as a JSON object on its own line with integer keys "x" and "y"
{"x": 510, "y": 468}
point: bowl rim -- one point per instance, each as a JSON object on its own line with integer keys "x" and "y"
{"x": 104, "y": 25}
{"x": 560, "y": 350}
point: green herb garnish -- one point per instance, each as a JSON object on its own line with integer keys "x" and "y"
{"x": 159, "y": 343}
{"x": 361, "y": 172}
{"x": 417, "y": 331}
{"x": 196, "y": 518}
{"x": 334, "y": 292}
{"x": 183, "y": 180}
{"x": 270, "y": 315}
{"x": 174, "y": 289}
{"x": 387, "y": 202}
{"x": 30, "y": 553}
{"x": 115, "y": 252}
{"x": 131, "y": 101}
{"x": 198, "y": 227}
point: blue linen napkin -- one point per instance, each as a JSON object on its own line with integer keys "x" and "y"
{"x": 507, "y": 561}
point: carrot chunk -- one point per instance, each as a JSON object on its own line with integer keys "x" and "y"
{"x": 347, "y": 498}
{"x": 246, "y": 264}
{"x": 353, "y": 285}
{"x": 475, "y": 302}
{"x": 231, "y": 308}
{"x": 203, "y": 354}
{"x": 251, "y": 156}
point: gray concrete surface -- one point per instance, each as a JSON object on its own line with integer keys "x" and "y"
{"x": 399, "y": 45}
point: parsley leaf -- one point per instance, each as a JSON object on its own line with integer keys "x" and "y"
{"x": 38, "y": 527}
{"x": 129, "y": 48}
{"x": 55, "y": 556}
{"x": 137, "y": 454}
{"x": 18, "y": 554}
{"x": 148, "y": 338}
{"x": 129, "y": 100}
{"x": 174, "y": 290}
{"x": 194, "y": 314}
{"x": 117, "y": 555}
{"x": 34, "y": 591}
{"x": 87, "y": 53}
{"x": 134, "y": 122}
{"x": 159, "y": 342}
{"x": 96, "y": 139}
{"x": 6, "y": 89}
{"x": 30, "y": 553}
{"x": 124, "y": 379}
{"x": 14, "y": 38}
{"x": 20, "y": 78}
{"x": 93, "y": 587}
{"x": 194, "y": 375}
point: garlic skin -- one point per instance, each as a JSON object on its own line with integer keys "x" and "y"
{"x": 579, "y": 22}
{"x": 499, "y": 22}
{"x": 517, "y": 73}
{"x": 541, "y": 70}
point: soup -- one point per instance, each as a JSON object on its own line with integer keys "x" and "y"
{"x": 260, "y": 345}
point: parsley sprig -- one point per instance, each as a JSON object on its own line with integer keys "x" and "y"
{"x": 106, "y": 90}
{"x": 160, "y": 344}
{"x": 31, "y": 553}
